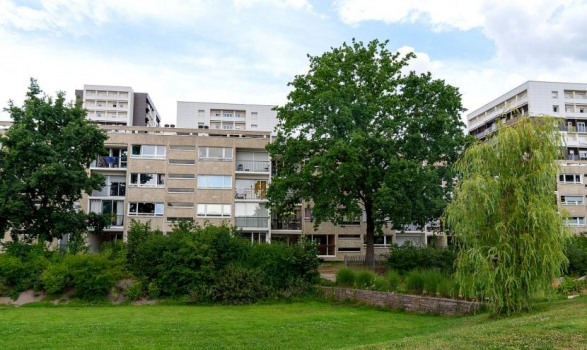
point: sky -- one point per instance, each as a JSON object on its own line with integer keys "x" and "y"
{"x": 246, "y": 51}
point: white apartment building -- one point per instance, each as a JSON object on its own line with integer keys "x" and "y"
{"x": 567, "y": 101}
{"x": 118, "y": 105}
{"x": 226, "y": 116}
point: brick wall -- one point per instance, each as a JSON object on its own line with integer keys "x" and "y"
{"x": 412, "y": 303}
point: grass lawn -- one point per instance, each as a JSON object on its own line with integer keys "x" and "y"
{"x": 307, "y": 325}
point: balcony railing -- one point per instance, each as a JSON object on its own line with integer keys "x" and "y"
{"x": 116, "y": 221}
{"x": 253, "y": 166}
{"x": 113, "y": 190}
{"x": 572, "y": 157}
{"x": 248, "y": 193}
{"x": 286, "y": 224}
{"x": 251, "y": 221}
{"x": 109, "y": 162}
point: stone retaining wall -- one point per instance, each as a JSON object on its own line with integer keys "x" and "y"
{"x": 412, "y": 303}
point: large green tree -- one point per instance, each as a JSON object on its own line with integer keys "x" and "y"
{"x": 357, "y": 133}
{"x": 43, "y": 160}
{"x": 505, "y": 217}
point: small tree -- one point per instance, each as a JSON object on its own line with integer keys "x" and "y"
{"x": 358, "y": 134}
{"x": 43, "y": 161}
{"x": 505, "y": 217}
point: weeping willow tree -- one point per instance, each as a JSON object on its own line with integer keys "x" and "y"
{"x": 505, "y": 217}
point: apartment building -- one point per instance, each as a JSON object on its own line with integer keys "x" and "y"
{"x": 225, "y": 116}
{"x": 166, "y": 175}
{"x": 118, "y": 105}
{"x": 567, "y": 101}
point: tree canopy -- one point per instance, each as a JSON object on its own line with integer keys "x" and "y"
{"x": 505, "y": 217}
{"x": 43, "y": 160}
{"x": 357, "y": 133}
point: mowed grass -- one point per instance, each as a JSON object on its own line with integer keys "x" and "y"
{"x": 300, "y": 325}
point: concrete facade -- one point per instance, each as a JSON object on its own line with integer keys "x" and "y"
{"x": 164, "y": 175}
{"x": 118, "y": 105}
{"x": 566, "y": 101}
{"x": 226, "y": 116}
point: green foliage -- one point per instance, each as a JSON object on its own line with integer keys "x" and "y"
{"x": 415, "y": 281}
{"x": 153, "y": 290}
{"x": 447, "y": 288}
{"x": 345, "y": 277}
{"x": 134, "y": 291}
{"x": 365, "y": 279}
{"x": 369, "y": 137}
{"x": 504, "y": 217}
{"x": 571, "y": 285}
{"x": 238, "y": 285}
{"x": 56, "y": 279}
{"x": 576, "y": 252}
{"x": 409, "y": 257}
{"x": 43, "y": 160}
{"x": 21, "y": 267}
{"x": 432, "y": 279}
{"x": 393, "y": 279}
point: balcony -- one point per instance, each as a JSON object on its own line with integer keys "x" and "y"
{"x": 109, "y": 162}
{"x": 113, "y": 190}
{"x": 117, "y": 221}
{"x": 249, "y": 193}
{"x": 253, "y": 166}
{"x": 252, "y": 221}
{"x": 292, "y": 224}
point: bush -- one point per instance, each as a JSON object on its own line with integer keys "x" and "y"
{"x": 447, "y": 288}
{"x": 153, "y": 290}
{"x": 92, "y": 275}
{"x": 409, "y": 257}
{"x": 576, "y": 252}
{"x": 365, "y": 279}
{"x": 393, "y": 279}
{"x": 571, "y": 285}
{"x": 415, "y": 281}
{"x": 56, "y": 279}
{"x": 345, "y": 277}
{"x": 432, "y": 278}
{"x": 238, "y": 285}
{"x": 380, "y": 284}
{"x": 21, "y": 267}
{"x": 134, "y": 291}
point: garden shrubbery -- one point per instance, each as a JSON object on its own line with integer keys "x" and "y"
{"x": 576, "y": 252}
{"x": 409, "y": 257}
{"x": 209, "y": 264}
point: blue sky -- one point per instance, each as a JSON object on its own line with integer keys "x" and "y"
{"x": 248, "y": 50}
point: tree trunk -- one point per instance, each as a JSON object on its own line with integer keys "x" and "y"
{"x": 370, "y": 238}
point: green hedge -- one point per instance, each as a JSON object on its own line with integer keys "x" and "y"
{"x": 408, "y": 257}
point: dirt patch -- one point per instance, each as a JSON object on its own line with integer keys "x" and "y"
{"x": 28, "y": 296}
{"x": 145, "y": 301}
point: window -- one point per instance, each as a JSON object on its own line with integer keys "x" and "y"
{"x": 228, "y": 115}
{"x": 214, "y": 181}
{"x": 254, "y": 237}
{"x": 182, "y": 176}
{"x": 148, "y": 151}
{"x": 555, "y": 94}
{"x": 145, "y": 209}
{"x": 349, "y": 236}
{"x": 180, "y": 204}
{"x": 238, "y": 115}
{"x": 569, "y": 178}
{"x": 254, "y": 115}
{"x": 575, "y": 221}
{"x": 307, "y": 213}
{"x": 581, "y": 109}
{"x": 253, "y": 126}
{"x": 180, "y": 190}
{"x": 349, "y": 249}
{"x": 380, "y": 240}
{"x": 215, "y": 153}
{"x": 147, "y": 180}
{"x": 177, "y": 219}
{"x": 257, "y": 210}
{"x": 227, "y": 127}
{"x": 568, "y": 94}
{"x": 182, "y": 148}
{"x": 182, "y": 161}
{"x": 214, "y": 210}
{"x": 572, "y": 200}
{"x": 555, "y": 109}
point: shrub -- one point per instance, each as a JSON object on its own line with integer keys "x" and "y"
{"x": 345, "y": 277}
{"x": 92, "y": 275}
{"x": 432, "y": 278}
{"x": 576, "y": 252}
{"x": 21, "y": 267}
{"x": 446, "y": 288}
{"x": 153, "y": 290}
{"x": 571, "y": 285}
{"x": 56, "y": 278}
{"x": 408, "y": 257}
{"x": 393, "y": 279}
{"x": 134, "y": 291}
{"x": 380, "y": 284}
{"x": 238, "y": 285}
{"x": 415, "y": 281}
{"x": 365, "y": 279}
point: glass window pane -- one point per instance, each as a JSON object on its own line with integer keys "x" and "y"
{"x": 132, "y": 208}
{"x": 227, "y": 209}
{"x": 161, "y": 180}
{"x": 202, "y": 152}
{"x": 215, "y": 181}
{"x": 161, "y": 150}
{"x": 201, "y": 209}
{"x": 215, "y": 152}
{"x": 136, "y": 150}
{"x": 149, "y": 150}
{"x": 134, "y": 178}
{"x": 569, "y": 178}
{"x": 202, "y": 181}
{"x": 159, "y": 208}
{"x": 240, "y": 209}
{"x": 228, "y": 153}
{"x": 214, "y": 210}
{"x": 148, "y": 179}
{"x": 227, "y": 181}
